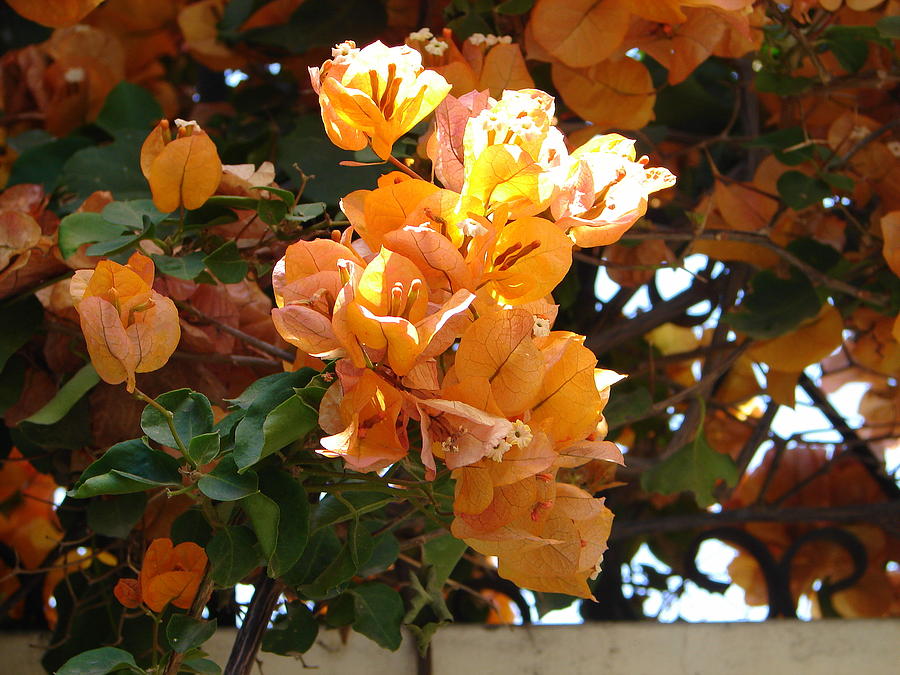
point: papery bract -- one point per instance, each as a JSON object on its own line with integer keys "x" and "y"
{"x": 129, "y": 328}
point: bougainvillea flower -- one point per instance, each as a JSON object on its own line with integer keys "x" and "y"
{"x": 374, "y": 213}
{"x": 604, "y": 190}
{"x": 169, "y": 575}
{"x": 375, "y": 95}
{"x": 362, "y": 412}
{"x": 129, "y": 328}
{"x": 307, "y": 282}
{"x": 182, "y": 172}
{"x": 392, "y": 317}
{"x": 446, "y": 146}
{"x": 564, "y": 553}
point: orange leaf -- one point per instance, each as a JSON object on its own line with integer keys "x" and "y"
{"x": 54, "y": 13}
{"x": 186, "y": 172}
{"x": 890, "y": 231}
{"x": 614, "y": 93}
{"x": 579, "y": 32}
{"x": 810, "y": 343}
{"x": 499, "y": 348}
{"x": 128, "y": 592}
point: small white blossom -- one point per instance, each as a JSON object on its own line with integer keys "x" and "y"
{"x": 541, "y": 327}
{"x": 472, "y": 228}
{"x": 520, "y": 434}
{"x": 496, "y": 453}
{"x": 74, "y": 75}
{"x": 859, "y": 132}
{"x": 505, "y": 39}
{"x": 894, "y": 148}
{"x": 477, "y": 39}
{"x": 421, "y": 35}
{"x": 436, "y": 47}
{"x": 344, "y": 49}
{"x": 490, "y": 39}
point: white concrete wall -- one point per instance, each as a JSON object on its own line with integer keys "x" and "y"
{"x": 862, "y": 647}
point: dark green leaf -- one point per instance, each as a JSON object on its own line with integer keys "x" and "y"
{"x": 225, "y": 484}
{"x": 321, "y": 549}
{"x": 442, "y": 554}
{"x": 68, "y": 395}
{"x": 201, "y": 666}
{"x": 782, "y": 85}
{"x": 286, "y": 196}
{"x": 181, "y": 267}
{"x": 85, "y": 228}
{"x": 185, "y": 632}
{"x": 514, "y": 6}
{"x": 293, "y": 634}
{"x": 99, "y": 662}
{"x": 226, "y": 263}
{"x": 331, "y": 510}
{"x": 203, "y": 448}
{"x": 136, "y": 214}
{"x": 280, "y": 517}
{"x": 289, "y": 422}
{"x": 12, "y": 380}
{"x": 839, "y": 181}
{"x": 303, "y": 213}
{"x": 341, "y": 611}
{"x": 889, "y": 27}
{"x": 43, "y": 163}
{"x": 384, "y": 554}
{"x": 821, "y": 256}
{"x": 354, "y": 554}
{"x": 271, "y": 211}
{"x": 799, "y": 190}
{"x": 126, "y": 467}
{"x": 116, "y": 515}
{"x": 253, "y": 439}
{"x": 191, "y": 526}
{"x": 626, "y": 406}
{"x": 115, "y": 167}
{"x": 379, "y": 612}
{"x": 232, "y": 555}
{"x": 128, "y": 106}
{"x": 20, "y": 320}
{"x": 850, "y": 51}
{"x": 192, "y": 417}
{"x": 776, "y": 306}
{"x": 696, "y": 468}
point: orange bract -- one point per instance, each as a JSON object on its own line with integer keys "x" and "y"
{"x": 169, "y": 575}
{"x": 54, "y": 13}
{"x": 129, "y": 327}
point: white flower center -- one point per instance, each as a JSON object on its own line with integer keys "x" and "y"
{"x": 421, "y": 35}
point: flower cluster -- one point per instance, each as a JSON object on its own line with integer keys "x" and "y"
{"x": 436, "y": 304}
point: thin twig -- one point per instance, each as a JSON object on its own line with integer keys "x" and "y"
{"x": 261, "y": 345}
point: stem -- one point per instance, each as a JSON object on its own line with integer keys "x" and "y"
{"x": 203, "y": 594}
{"x": 170, "y": 418}
{"x": 261, "y": 345}
{"x": 405, "y": 169}
{"x": 249, "y": 637}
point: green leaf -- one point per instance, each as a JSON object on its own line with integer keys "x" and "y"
{"x": 99, "y": 662}
{"x": 134, "y": 214}
{"x": 232, "y": 555}
{"x": 20, "y": 320}
{"x": 185, "y": 632}
{"x": 379, "y": 613}
{"x": 626, "y": 406}
{"x": 839, "y": 181}
{"x": 426, "y": 590}
{"x": 384, "y": 554}
{"x": 115, "y": 167}
{"x": 354, "y": 554}
{"x": 116, "y": 515}
{"x": 271, "y": 211}
{"x": 776, "y": 306}
{"x": 68, "y": 395}
{"x": 696, "y": 468}
{"x": 294, "y": 633}
{"x": 203, "y": 448}
{"x": 821, "y": 256}
{"x": 321, "y": 549}
{"x": 128, "y": 106}
{"x": 43, "y": 163}
{"x": 226, "y": 263}
{"x": 225, "y": 484}
{"x": 201, "y": 666}
{"x": 252, "y": 439}
{"x": 889, "y": 27}
{"x": 192, "y": 417}
{"x": 849, "y": 49}
{"x": 514, "y": 7}
{"x": 130, "y": 466}
{"x": 782, "y": 85}
{"x": 193, "y": 526}
{"x": 280, "y": 517}
{"x": 289, "y": 422}
{"x": 85, "y": 228}
{"x": 309, "y": 148}
{"x": 799, "y": 190}
{"x": 442, "y": 554}
{"x": 303, "y": 213}
{"x": 181, "y": 267}
{"x": 332, "y": 510}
